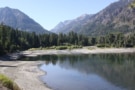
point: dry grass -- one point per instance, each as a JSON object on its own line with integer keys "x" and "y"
{"x": 8, "y": 83}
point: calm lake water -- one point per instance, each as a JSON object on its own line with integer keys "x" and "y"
{"x": 89, "y": 72}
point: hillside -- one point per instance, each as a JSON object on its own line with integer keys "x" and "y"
{"x": 117, "y": 17}
{"x": 71, "y": 25}
{"x": 19, "y": 20}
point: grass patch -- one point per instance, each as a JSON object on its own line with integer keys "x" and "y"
{"x": 92, "y": 48}
{"x": 8, "y": 83}
{"x": 132, "y": 5}
{"x": 74, "y": 47}
{"x": 40, "y": 48}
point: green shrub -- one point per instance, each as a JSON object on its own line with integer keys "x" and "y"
{"x": 61, "y": 47}
{"x": 6, "y": 82}
{"x": 102, "y": 45}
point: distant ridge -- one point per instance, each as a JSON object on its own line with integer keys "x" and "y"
{"x": 17, "y": 19}
{"x": 115, "y": 18}
{"x": 71, "y": 25}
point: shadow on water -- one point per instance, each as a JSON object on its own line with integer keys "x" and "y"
{"x": 118, "y": 69}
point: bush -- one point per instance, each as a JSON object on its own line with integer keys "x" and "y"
{"x": 129, "y": 46}
{"x": 6, "y": 82}
{"x": 2, "y": 51}
{"x": 61, "y": 47}
{"x": 13, "y": 48}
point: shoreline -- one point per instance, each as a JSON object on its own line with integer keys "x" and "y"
{"x": 77, "y": 51}
{"x": 26, "y": 73}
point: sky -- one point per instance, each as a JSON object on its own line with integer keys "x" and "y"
{"x": 48, "y": 13}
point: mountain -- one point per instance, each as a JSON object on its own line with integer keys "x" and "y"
{"x": 19, "y": 20}
{"x": 117, "y": 17}
{"x": 71, "y": 25}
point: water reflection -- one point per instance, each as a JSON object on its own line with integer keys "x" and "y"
{"x": 118, "y": 69}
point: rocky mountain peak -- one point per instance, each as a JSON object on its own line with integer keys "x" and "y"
{"x": 17, "y": 19}
{"x": 117, "y": 17}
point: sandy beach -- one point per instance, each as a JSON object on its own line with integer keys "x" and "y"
{"x": 26, "y": 73}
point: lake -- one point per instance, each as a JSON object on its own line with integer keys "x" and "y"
{"x": 88, "y": 72}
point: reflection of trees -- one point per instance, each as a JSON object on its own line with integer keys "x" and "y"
{"x": 47, "y": 58}
{"x": 50, "y": 59}
{"x": 120, "y": 72}
{"x": 116, "y": 68}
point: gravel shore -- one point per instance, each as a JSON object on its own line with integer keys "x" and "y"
{"x": 24, "y": 73}
{"x": 78, "y": 51}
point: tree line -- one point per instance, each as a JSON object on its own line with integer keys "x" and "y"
{"x": 12, "y": 40}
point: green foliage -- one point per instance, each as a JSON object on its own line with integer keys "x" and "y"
{"x": 74, "y": 47}
{"x": 117, "y": 40}
{"x": 68, "y": 47}
{"x": 61, "y": 47}
{"x": 5, "y": 81}
{"x": 132, "y": 5}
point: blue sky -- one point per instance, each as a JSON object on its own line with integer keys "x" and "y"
{"x": 49, "y": 13}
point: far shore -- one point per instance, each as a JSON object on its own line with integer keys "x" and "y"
{"x": 85, "y": 50}
{"x": 26, "y": 73}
